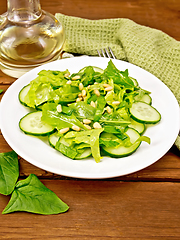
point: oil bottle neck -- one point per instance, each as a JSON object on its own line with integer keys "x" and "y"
{"x": 22, "y": 11}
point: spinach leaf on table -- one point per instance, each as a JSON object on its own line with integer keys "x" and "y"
{"x": 9, "y": 172}
{"x": 31, "y": 195}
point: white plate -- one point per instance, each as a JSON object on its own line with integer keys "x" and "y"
{"x": 40, "y": 154}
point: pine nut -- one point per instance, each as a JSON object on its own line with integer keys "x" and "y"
{"x": 108, "y": 88}
{"x": 81, "y": 86}
{"x": 83, "y": 93}
{"x": 87, "y": 126}
{"x": 86, "y": 121}
{"x": 76, "y": 128}
{"x": 78, "y": 99}
{"x": 96, "y": 91}
{"x": 108, "y": 109}
{"x": 93, "y": 104}
{"x": 116, "y": 102}
{"x": 76, "y": 77}
{"x": 64, "y": 130}
{"x": 69, "y": 82}
{"x": 66, "y": 75}
{"x": 96, "y": 125}
{"x": 105, "y": 85}
{"x": 59, "y": 108}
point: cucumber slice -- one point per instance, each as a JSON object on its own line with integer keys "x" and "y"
{"x": 85, "y": 154}
{"x": 144, "y": 113}
{"x": 31, "y": 124}
{"x": 23, "y": 93}
{"x": 124, "y": 151}
{"x": 140, "y": 127}
{"x": 96, "y": 69}
{"x": 53, "y": 138}
{"x": 145, "y": 98}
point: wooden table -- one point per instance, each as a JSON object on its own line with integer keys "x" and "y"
{"x": 143, "y": 205}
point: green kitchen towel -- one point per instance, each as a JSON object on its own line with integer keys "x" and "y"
{"x": 148, "y": 48}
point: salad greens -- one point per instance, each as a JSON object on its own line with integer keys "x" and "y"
{"x": 9, "y": 172}
{"x": 84, "y": 107}
{"x": 28, "y": 195}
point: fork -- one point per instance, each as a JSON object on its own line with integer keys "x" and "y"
{"x": 107, "y": 53}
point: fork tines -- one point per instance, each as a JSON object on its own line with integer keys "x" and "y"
{"x": 107, "y": 53}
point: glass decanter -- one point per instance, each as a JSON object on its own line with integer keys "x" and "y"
{"x": 29, "y": 37}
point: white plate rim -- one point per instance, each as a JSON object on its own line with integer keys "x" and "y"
{"x": 88, "y": 169}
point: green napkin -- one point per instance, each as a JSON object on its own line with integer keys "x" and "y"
{"x": 145, "y": 47}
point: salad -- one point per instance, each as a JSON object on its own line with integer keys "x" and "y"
{"x": 93, "y": 112}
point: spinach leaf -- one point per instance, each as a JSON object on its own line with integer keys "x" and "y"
{"x": 90, "y": 137}
{"x": 109, "y": 140}
{"x": 31, "y": 195}
{"x": 59, "y": 120}
{"x": 108, "y": 143}
{"x": 114, "y": 129}
{"x": 101, "y": 102}
{"x": 9, "y": 172}
{"x": 87, "y": 77}
{"x": 55, "y": 78}
{"x": 66, "y": 150}
{"x": 114, "y": 119}
{"x": 66, "y": 93}
{"x": 82, "y": 110}
{"x": 119, "y": 77}
{"x": 41, "y": 88}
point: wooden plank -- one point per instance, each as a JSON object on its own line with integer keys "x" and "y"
{"x": 4, "y": 88}
{"x": 163, "y": 15}
{"x": 101, "y": 210}
{"x": 5, "y": 79}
